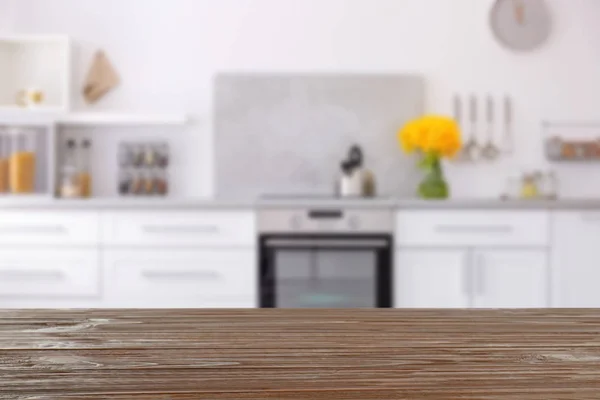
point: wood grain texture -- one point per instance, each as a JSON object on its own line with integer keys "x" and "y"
{"x": 300, "y": 354}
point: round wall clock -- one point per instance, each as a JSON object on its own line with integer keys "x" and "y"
{"x": 521, "y": 25}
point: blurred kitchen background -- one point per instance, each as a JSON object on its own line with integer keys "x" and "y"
{"x": 188, "y": 153}
{"x": 168, "y": 54}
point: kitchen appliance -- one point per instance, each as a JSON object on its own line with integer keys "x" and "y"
{"x": 355, "y": 180}
{"x": 325, "y": 257}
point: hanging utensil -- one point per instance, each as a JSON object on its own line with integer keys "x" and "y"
{"x": 457, "y": 110}
{"x": 490, "y": 151}
{"x": 471, "y": 150}
{"x": 508, "y": 122}
{"x": 458, "y": 117}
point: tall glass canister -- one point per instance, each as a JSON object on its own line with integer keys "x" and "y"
{"x": 22, "y": 161}
{"x": 4, "y": 156}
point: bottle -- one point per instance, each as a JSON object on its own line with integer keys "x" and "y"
{"x": 551, "y": 186}
{"x": 69, "y": 184}
{"x": 22, "y": 162}
{"x": 85, "y": 175}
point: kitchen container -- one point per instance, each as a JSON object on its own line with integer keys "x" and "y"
{"x": 4, "y": 157}
{"x": 125, "y": 182}
{"x": 69, "y": 184}
{"x": 161, "y": 185}
{"x": 355, "y": 180}
{"x": 22, "y": 161}
{"x": 85, "y": 174}
{"x": 143, "y": 169}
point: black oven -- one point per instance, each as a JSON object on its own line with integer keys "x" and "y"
{"x": 325, "y": 259}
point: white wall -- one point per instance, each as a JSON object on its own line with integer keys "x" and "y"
{"x": 7, "y": 15}
{"x": 168, "y": 50}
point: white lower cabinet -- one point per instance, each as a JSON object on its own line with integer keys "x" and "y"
{"x": 437, "y": 278}
{"x": 431, "y": 279}
{"x": 47, "y": 278}
{"x": 510, "y": 279}
{"x": 575, "y": 250}
{"x": 173, "y": 278}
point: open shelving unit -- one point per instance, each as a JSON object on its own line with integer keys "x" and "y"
{"x": 44, "y": 63}
{"x": 40, "y": 62}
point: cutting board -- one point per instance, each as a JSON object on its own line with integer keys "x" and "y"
{"x": 288, "y": 133}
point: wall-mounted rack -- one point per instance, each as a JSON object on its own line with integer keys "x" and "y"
{"x": 572, "y": 141}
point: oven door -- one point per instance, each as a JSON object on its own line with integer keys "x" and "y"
{"x": 326, "y": 271}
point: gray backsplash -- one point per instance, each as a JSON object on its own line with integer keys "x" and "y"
{"x": 287, "y": 134}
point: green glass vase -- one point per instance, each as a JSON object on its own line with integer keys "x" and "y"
{"x": 434, "y": 185}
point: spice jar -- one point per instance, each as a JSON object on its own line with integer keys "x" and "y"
{"x": 138, "y": 183}
{"x": 137, "y": 152}
{"x": 163, "y": 155}
{"x": 161, "y": 187}
{"x": 150, "y": 156}
{"x": 22, "y": 161}
{"x": 125, "y": 183}
{"x": 148, "y": 183}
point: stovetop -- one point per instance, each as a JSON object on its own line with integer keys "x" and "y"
{"x": 317, "y": 196}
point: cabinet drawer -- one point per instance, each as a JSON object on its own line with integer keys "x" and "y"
{"x": 180, "y": 278}
{"x": 56, "y": 273}
{"x": 49, "y": 228}
{"x": 472, "y": 228}
{"x": 179, "y": 228}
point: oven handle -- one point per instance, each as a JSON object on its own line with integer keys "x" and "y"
{"x": 325, "y": 243}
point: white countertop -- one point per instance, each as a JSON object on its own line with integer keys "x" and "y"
{"x": 200, "y": 204}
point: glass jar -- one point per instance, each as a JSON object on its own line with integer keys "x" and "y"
{"x": 4, "y": 157}
{"x": 150, "y": 155}
{"x": 161, "y": 184}
{"x": 138, "y": 183}
{"x": 85, "y": 174}
{"x": 22, "y": 161}
{"x": 137, "y": 152}
{"x": 69, "y": 183}
{"x": 163, "y": 155}
{"x": 69, "y": 175}
{"x": 125, "y": 183}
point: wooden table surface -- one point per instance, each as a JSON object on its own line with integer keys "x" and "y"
{"x": 300, "y": 354}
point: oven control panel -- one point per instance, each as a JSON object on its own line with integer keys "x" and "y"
{"x": 308, "y": 221}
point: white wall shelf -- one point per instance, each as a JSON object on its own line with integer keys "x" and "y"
{"x": 120, "y": 119}
{"x": 41, "y": 62}
{"x": 19, "y": 116}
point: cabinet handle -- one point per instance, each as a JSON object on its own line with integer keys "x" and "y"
{"x": 32, "y": 275}
{"x": 591, "y": 217}
{"x": 480, "y": 274}
{"x": 467, "y": 276}
{"x": 495, "y": 229}
{"x": 182, "y": 275}
{"x": 325, "y": 243}
{"x": 32, "y": 229}
{"x": 174, "y": 229}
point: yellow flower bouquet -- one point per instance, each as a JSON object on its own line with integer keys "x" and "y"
{"x": 433, "y": 137}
